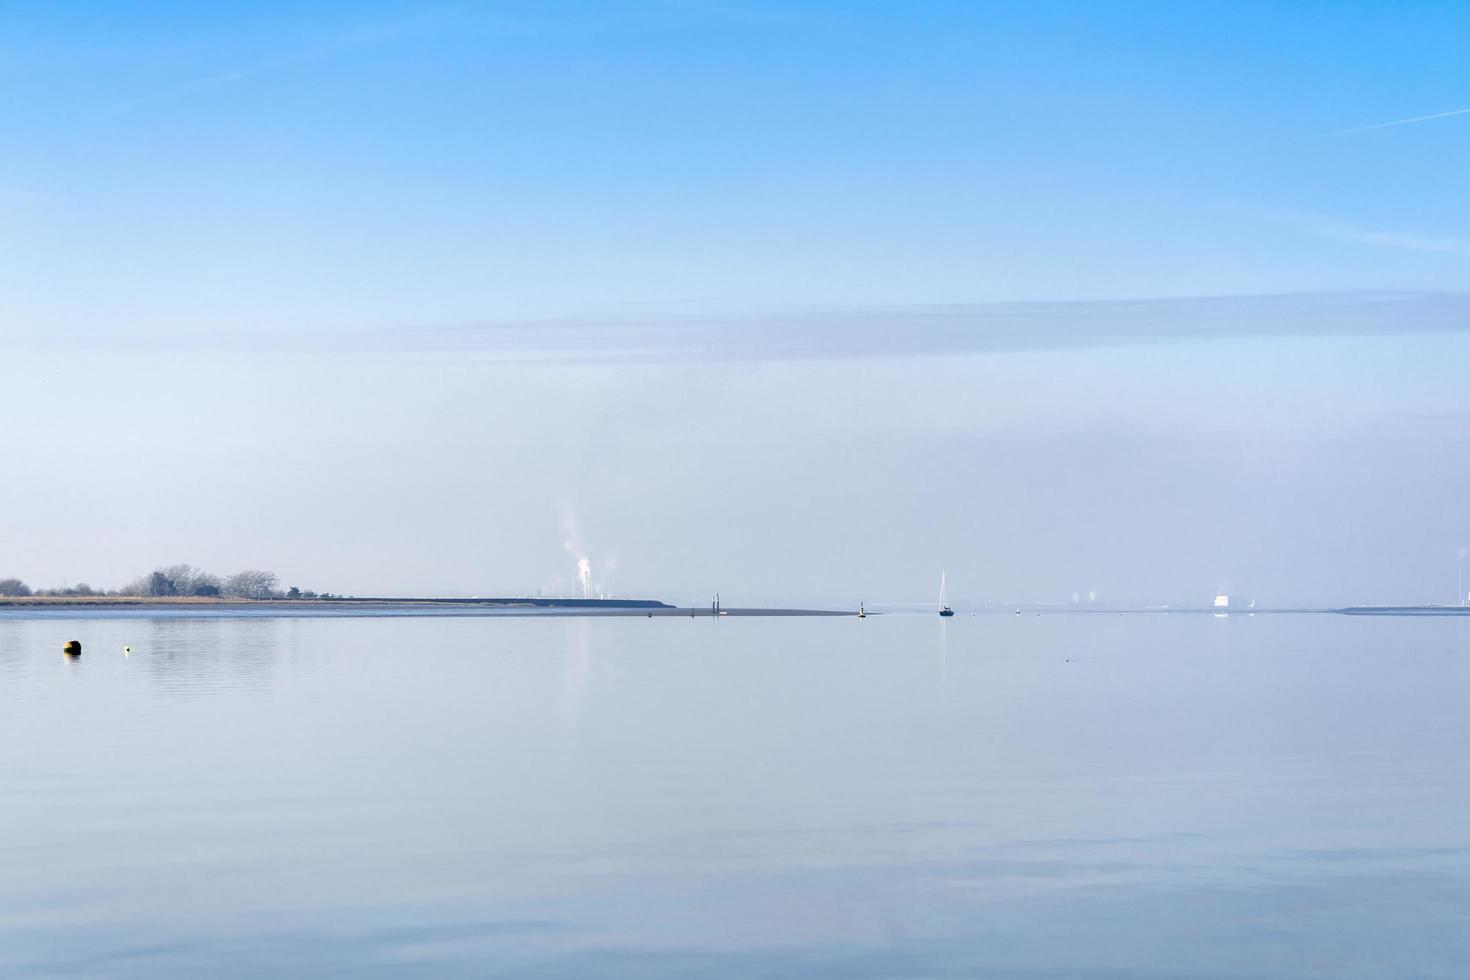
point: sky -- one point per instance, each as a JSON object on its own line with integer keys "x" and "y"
{"x": 798, "y": 302}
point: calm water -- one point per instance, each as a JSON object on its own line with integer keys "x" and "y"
{"x": 1057, "y": 796}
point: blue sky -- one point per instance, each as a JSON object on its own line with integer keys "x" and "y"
{"x": 283, "y": 243}
{"x": 378, "y": 163}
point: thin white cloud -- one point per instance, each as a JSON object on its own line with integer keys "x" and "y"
{"x": 1401, "y": 122}
{"x": 950, "y": 328}
{"x": 1347, "y": 232}
{"x": 1417, "y": 241}
{"x": 841, "y": 333}
{"x": 324, "y": 49}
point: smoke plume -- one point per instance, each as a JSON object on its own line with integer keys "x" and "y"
{"x": 571, "y": 532}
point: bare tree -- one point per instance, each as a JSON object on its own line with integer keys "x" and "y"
{"x": 188, "y": 580}
{"x": 251, "y": 584}
{"x": 81, "y": 588}
{"x": 138, "y": 586}
{"x": 181, "y": 577}
{"x": 156, "y": 584}
{"x": 14, "y": 587}
{"x": 159, "y": 584}
{"x": 174, "y": 580}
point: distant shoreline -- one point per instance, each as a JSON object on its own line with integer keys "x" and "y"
{"x": 194, "y": 601}
{"x": 133, "y": 606}
{"x": 369, "y": 605}
{"x": 1405, "y": 611}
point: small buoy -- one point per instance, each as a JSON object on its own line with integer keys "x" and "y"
{"x": 127, "y": 650}
{"x": 73, "y": 648}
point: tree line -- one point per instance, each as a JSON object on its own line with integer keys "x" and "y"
{"x": 177, "y": 580}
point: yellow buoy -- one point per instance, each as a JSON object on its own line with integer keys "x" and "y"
{"x": 73, "y": 648}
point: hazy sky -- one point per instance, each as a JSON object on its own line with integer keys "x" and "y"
{"x": 796, "y": 301}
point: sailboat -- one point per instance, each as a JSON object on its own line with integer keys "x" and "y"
{"x": 944, "y": 609}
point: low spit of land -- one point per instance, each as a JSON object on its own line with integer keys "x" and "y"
{"x": 402, "y": 606}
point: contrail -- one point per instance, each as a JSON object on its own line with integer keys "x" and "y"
{"x": 1401, "y": 122}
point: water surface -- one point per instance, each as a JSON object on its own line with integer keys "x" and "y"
{"x": 1001, "y": 796}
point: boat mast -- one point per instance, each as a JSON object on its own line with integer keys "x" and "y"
{"x": 942, "y": 578}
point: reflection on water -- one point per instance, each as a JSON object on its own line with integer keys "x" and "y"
{"x": 578, "y": 662}
{"x": 1055, "y": 796}
{"x": 195, "y": 657}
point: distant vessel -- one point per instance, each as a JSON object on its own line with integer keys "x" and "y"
{"x": 862, "y": 613}
{"x": 944, "y": 609}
